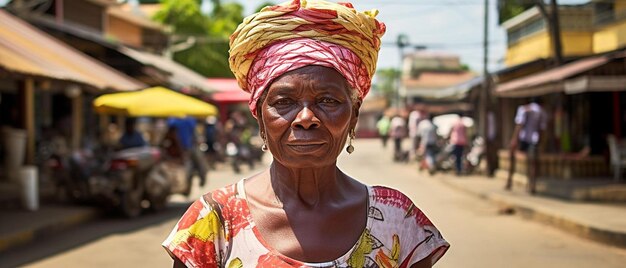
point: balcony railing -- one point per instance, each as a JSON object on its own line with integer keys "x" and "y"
{"x": 604, "y": 18}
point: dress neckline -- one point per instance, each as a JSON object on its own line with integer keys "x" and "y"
{"x": 240, "y": 191}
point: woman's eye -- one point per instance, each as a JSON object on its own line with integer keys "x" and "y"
{"x": 283, "y": 102}
{"x": 328, "y": 101}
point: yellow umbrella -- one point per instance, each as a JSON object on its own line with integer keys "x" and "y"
{"x": 155, "y": 102}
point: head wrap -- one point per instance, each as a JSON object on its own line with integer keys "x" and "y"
{"x": 295, "y": 34}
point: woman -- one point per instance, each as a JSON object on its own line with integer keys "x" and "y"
{"x": 308, "y": 65}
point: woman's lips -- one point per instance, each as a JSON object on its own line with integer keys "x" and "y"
{"x": 305, "y": 147}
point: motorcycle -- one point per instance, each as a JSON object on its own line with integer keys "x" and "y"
{"x": 475, "y": 154}
{"x": 132, "y": 180}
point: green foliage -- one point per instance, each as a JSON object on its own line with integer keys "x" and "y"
{"x": 183, "y": 16}
{"x": 264, "y": 4}
{"x": 209, "y": 55}
{"x": 386, "y": 82}
{"x": 510, "y": 8}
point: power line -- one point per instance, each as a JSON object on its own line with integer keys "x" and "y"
{"x": 443, "y": 45}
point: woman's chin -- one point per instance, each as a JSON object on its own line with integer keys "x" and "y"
{"x": 307, "y": 160}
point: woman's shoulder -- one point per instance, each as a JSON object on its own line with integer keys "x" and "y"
{"x": 199, "y": 238}
{"x": 397, "y": 203}
{"x": 389, "y": 196}
{"x": 397, "y": 221}
{"x": 221, "y": 196}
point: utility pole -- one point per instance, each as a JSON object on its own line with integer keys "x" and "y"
{"x": 485, "y": 100}
{"x": 402, "y": 42}
{"x": 554, "y": 29}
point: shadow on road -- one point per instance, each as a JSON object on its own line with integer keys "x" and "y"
{"x": 109, "y": 225}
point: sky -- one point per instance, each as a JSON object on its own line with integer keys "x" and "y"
{"x": 446, "y": 26}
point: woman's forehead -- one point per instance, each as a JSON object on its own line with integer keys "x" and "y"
{"x": 318, "y": 76}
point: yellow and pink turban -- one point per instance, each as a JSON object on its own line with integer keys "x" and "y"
{"x": 285, "y": 37}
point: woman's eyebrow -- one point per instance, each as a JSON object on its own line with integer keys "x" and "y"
{"x": 281, "y": 89}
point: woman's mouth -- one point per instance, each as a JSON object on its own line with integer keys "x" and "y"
{"x": 306, "y": 148}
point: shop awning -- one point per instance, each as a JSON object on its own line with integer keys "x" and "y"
{"x": 228, "y": 91}
{"x": 155, "y": 102}
{"x": 180, "y": 76}
{"x": 26, "y": 50}
{"x": 566, "y": 78}
{"x": 456, "y": 92}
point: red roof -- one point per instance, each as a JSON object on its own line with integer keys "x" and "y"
{"x": 437, "y": 79}
{"x": 228, "y": 90}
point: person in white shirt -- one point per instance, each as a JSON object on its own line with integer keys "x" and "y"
{"x": 530, "y": 121}
{"x": 414, "y": 118}
{"x": 398, "y": 132}
{"x": 427, "y": 132}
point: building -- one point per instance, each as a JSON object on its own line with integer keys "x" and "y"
{"x": 584, "y": 96}
{"x": 46, "y": 85}
{"x": 426, "y": 74}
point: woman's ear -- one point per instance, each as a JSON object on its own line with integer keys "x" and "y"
{"x": 356, "y": 106}
{"x": 259, "y": 120}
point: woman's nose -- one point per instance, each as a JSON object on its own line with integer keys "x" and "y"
{"x": 306, "y": 119}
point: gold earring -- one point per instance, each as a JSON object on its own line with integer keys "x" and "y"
{"x": 350, "y": 148}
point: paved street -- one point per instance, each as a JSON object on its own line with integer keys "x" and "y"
{"x": 480, "y": 236}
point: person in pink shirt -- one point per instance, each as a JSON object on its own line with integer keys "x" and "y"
{"x": 458, "y": 138}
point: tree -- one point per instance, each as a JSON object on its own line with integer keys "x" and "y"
{"x": 510, "y": 8}
{"x": 209, "y": 54}
{"x": 386, "y": 82}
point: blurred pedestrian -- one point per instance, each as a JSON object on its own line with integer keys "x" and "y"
{"x": 458, "y": 139}
{"x": 530, "y": 120}
{"x": 427, "y": 132}
{"x": 398, "y": 132}
{"x": 383, "y": 125}
{"x": 131, "y": 137}
{"x": 211, "y": 129}
{"x": 239, "y": 134}
{"x": 186, "y": 133}
{"x": 414, "y": 119}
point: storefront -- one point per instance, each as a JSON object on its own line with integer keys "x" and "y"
{"x": 585, "y": 102}
{"x": 46, "y": 86}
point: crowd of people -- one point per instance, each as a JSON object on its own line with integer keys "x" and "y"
{"x": 457, "y": 147}
{"x": 427, "y": 144}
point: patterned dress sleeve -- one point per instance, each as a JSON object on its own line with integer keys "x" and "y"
{"x": 427, "y": 240}
{"x": 198, "y": 239}
{"x": 415, "y": 237}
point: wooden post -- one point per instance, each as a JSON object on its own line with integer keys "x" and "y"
{"x": 77, "y": 121}
{"x": 29, "y": 118}
{"x": 617, "y": 117}
{"x": 103, "y": 125}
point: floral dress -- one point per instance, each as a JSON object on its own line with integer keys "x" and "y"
{"x": 218, "y": 231}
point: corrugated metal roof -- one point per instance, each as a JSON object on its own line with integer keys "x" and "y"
{"x": 550, "y": 81}
{"x": 553, "y": 75}
{"x": 181, "y": 76}
{"x": 27, "y": 50}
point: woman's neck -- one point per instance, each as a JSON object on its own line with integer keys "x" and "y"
{"x": 307, "y": 186}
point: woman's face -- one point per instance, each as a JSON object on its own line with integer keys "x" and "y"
{"x": 306, "y": 116}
